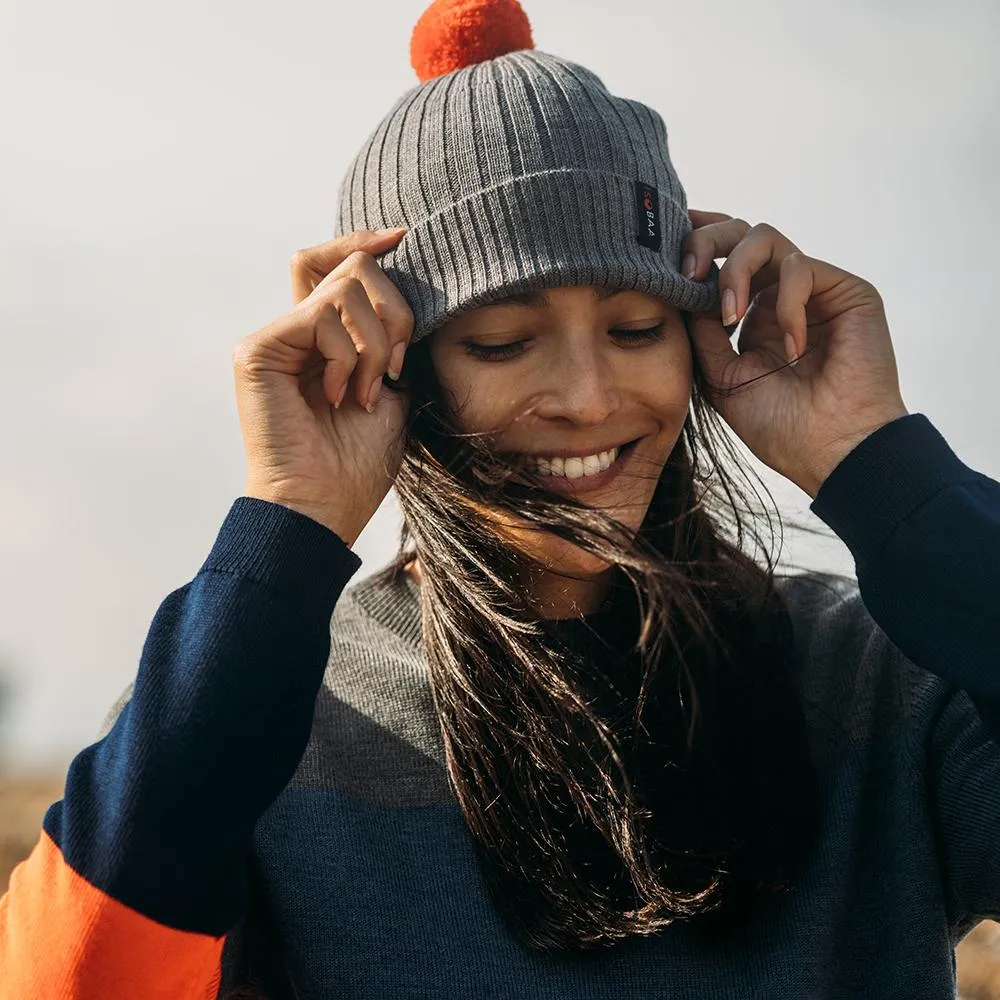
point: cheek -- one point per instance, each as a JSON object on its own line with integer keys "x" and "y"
{"x": 665, "y": 375}
{"x": 478, "y": 397}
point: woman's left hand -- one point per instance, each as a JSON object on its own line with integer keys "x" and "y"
{"x": 801, "y": 419}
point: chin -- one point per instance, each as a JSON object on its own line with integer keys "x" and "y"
{"x": 582, "y": 565}
{"x": 560, "y": 556}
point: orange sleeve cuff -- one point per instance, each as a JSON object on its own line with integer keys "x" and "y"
{"x": 64, "y": 939}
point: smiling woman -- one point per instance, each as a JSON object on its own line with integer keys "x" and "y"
{"x": 578, "y": 738}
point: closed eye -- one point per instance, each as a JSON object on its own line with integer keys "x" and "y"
{"x": 502, "y": 351}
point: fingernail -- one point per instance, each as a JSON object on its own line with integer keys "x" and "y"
{"x": 687, "y": 268}
{"x": 373, "y": 394}
{"x": 790, "y": 351}
{"x": 390, "y": 232}
{"x": 396, "y": 361}
{"x": 728, "y": 307}
{"x": 340, "y": 398}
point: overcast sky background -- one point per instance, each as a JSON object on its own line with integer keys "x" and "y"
{"x": 161, "y": 164}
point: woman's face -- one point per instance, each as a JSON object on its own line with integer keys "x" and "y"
{"x": 576, "y": 362}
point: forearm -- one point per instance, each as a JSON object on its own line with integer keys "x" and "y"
{"x": 924, "y": 530}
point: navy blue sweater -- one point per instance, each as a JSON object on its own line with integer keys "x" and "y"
{"x": 271, "y": 792}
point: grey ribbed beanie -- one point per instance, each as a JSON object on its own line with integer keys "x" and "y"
{"x": 515, "y": 169}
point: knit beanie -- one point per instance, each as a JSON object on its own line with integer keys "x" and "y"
{"x": 513, "y": 170}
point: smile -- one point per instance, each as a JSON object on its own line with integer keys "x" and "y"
{"x": 579, "y": 475}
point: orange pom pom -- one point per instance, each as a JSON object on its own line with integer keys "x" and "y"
{"x": 455, "y": 33}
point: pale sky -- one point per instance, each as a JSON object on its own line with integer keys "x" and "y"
{"x": 163, "y": 162}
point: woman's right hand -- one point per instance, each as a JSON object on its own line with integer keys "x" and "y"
{"x": 334, "y": 462}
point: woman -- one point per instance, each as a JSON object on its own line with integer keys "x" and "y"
{"x": 575, "y": 741}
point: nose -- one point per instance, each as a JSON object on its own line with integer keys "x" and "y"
{"x": 582, "y": 389}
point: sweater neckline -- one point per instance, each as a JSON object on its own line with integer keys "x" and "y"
{"x": 616, "y": 618}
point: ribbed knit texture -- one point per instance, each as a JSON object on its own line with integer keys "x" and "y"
{"x": 516, "y": 173}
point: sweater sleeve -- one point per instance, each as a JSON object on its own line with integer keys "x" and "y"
{"x": 140, "y": 871}
{"x": 924, "y": 530}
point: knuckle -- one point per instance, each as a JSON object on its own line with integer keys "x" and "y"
{"x": 300, "y": 261}
{"x": 322, "y": 312}
{"x": 248, "y": 362}
{"x": 364, "y": 261}
{"x": 341, "y": 291}
{"x": 357, "y": 259}
{"x": 367, "y": 267}
{"x": 243, "y": 352}
{"x": 332, "y": 336}
{"x": 351, "y": 288}
{"x": 397, "y": 318}
{"x": 872, "y": 290}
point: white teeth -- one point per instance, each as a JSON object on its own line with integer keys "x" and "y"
{"x": 574, "y": 468}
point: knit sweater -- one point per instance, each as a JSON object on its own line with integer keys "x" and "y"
{"x": 272, "y": 792}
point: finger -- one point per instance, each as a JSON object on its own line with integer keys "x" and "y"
{"x": 754, "y": 263}
{"x": 386, "y": 299}
{"x": 700, "y": 218}
{"x": 349, "y": 296}
{"x": 293, "y": 344}
{"x": 338, "y": 350}
{"x": 311, "y": 265}
{"x": 801, "y": 278}
{"x": 713, "y": 239}
{"x": 712, "y": 346}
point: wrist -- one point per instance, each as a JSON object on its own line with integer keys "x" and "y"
{"x": 823, "y": 461}
{"x": 336, "y": 522}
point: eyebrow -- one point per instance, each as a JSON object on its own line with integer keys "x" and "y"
{"x": 536, "y": 298}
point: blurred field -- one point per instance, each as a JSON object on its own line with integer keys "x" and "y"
{"x": 23, "y": 802}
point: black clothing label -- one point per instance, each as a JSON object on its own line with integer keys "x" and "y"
{"x": 647, "y": 205}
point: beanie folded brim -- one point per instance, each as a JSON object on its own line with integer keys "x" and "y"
{"x": 555, "y": 228}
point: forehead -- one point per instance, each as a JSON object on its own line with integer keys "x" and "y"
{"x": 552, "y": 300}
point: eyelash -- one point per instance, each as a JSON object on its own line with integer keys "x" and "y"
{"x": 503, "y": 351}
